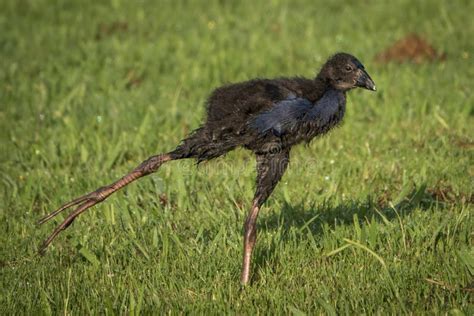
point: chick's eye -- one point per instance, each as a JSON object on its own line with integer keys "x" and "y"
{"x": 348, "y": 68}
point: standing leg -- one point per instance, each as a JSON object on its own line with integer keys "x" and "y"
{"x": 270, "y": 169}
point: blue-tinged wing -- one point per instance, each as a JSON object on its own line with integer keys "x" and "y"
{"x": 283, "y": 116}
{"x": 326, "y": 107}
{"x": 287, "y": 114}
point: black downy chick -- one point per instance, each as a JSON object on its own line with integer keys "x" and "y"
{"x": 265, "y": 116}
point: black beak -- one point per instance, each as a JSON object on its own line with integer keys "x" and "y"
{"x": 364, "y": 81}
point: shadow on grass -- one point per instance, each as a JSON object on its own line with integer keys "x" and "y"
{"x": 326, "y": 214}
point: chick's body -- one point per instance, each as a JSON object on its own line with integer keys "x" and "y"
{"x": 265, "y": 115}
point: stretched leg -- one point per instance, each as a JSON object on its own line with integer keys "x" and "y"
{"x": 86, "y": 201}
{"x": 270, "y": 169}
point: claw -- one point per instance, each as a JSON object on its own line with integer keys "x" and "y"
{"x": 68, "y": 221}
{"x": 84, "y": 202}
{"x": 62, "y": 208}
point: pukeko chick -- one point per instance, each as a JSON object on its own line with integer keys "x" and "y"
{"x": 265, "y": 116}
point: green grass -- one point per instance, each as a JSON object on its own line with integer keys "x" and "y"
{"x": 377, "y": 217}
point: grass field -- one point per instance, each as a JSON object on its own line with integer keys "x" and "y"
{"x": 377, "y": 217}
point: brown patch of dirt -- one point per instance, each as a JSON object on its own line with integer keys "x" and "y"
{"x": 465, "y": 144}
{"x": 105, "y": 30}
{"x": 163, "y": 199}
{"x": 411, "y": 48}
{"x": 446, "y": 194}
{"x": 133, "y": 79}
{"x": 383, "y": 199}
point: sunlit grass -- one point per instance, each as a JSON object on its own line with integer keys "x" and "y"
{"x": 374, "y": 218}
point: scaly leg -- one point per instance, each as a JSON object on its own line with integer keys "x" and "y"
{"x": 86, "y": 201}
{"x": 270, "y": 169}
